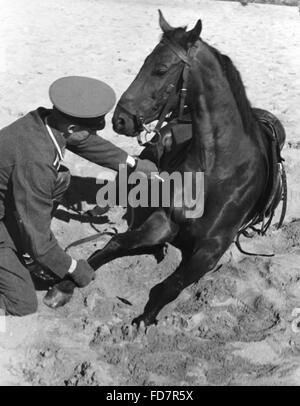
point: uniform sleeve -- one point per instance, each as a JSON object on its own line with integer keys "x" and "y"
{"x": 33, "y": 186}
{"x": 99, "y": 151}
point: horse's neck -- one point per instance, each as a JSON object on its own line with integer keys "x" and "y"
{"x": 217, "y": 124}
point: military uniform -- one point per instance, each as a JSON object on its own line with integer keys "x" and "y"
{"x": 29, "y": 182}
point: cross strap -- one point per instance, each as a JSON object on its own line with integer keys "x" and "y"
{"x": 178, "y": 50}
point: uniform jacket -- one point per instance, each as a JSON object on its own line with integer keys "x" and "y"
{"x": 28, "y": 173}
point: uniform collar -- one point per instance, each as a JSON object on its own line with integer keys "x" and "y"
{"x": 50, "y": 132}
{"x": 56, "y": 137}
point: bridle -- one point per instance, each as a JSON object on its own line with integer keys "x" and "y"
{"x": 170, "y": 94}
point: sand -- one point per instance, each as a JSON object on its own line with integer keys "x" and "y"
{"x": 237, "y": 326}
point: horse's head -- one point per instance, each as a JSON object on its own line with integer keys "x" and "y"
{"x": 160, "y": 76}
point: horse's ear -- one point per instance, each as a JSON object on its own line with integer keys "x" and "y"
{"x": 164, "y": 25}
{"x": 194, "y": 34}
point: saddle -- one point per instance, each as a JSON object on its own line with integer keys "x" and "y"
{"x": 276, "y": 186}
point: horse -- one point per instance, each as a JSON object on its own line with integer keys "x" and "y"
{"x": 185, "y": 76}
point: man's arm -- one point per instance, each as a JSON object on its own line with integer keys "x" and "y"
{"x": 100, "y": 151}
{"x": 33, "y": 185}
{"x": 104, "y": 153}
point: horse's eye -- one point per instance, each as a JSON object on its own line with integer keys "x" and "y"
{"x": 159, "y": 71}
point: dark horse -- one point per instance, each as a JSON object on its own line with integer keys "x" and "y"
{"x": 227, "y": 143}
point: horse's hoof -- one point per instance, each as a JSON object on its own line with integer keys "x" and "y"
{"x": 56, "y": 298}
{"x": 142, "y": 322}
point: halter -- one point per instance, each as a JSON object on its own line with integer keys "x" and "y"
{"x": 186, "y": 58}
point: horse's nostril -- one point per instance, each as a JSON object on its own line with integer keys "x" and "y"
{"x": 120, "y": 122}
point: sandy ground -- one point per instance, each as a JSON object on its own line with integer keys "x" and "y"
{"x": 235, "y": 326}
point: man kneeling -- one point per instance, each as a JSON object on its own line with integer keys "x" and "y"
{"x": 31, "y": 181}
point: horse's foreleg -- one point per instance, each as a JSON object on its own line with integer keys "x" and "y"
{"x": 156, "y": 230}
{"x": 188, "y": 272}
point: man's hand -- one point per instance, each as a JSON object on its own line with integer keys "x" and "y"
{"x": 83, "y": 274}
{"x": 145, "y": 166}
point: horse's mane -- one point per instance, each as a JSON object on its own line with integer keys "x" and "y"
{"x": 238, "y": 90}
{"x": 233, "y": 76}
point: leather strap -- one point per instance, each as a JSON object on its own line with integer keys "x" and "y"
{"x": 178, "y": 50}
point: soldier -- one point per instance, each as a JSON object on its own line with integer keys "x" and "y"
{"x": 31, "y": 150}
